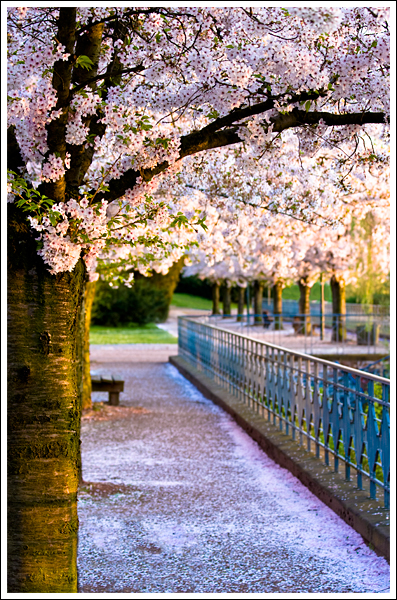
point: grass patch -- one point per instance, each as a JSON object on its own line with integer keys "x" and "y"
{"x": 292, "y": 292}
{"x": 187, "y": 301}
{"x": 132, "y": 334}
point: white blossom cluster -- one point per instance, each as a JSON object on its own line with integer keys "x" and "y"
{"x": 181, "y": 70}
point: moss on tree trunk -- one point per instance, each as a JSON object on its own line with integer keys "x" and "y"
{"x": 44, "y": 409}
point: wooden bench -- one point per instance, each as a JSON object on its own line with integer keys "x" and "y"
{"x": 108, "y": 383}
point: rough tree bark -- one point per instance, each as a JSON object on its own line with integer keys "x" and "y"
{"x": 226, "y": 300}
{"x": 304, "y": 307}
{"x": 338, "y": 308}
{"x": 278, "y": 305}
{"x": 44, "y": 408}
{"x": 258, "y": 300}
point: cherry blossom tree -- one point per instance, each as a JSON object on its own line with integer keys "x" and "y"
{"x": 245, "y": 242}
{"x": 102, "y": 103}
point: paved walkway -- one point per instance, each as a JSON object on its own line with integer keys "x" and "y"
{"x": 179, "y": 499}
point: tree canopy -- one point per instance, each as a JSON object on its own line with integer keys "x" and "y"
{"x": 104, "y": 102}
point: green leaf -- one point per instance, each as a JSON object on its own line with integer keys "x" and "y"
{"x": 308, "y": 105}
{"x": 84, "y": 62}
{"x": 201, "y": 223}
{"x": 162, "y": 142}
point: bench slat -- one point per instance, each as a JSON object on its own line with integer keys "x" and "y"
{"x": 107, "y": 383}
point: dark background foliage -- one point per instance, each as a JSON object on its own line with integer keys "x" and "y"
{"x": 147, "y": 301}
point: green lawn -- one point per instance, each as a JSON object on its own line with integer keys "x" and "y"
{"x": 292, "y": 292}
{"x": 187, "y": 301}
{"x": 289, "y": 293}
{"x": 145, "y": 334}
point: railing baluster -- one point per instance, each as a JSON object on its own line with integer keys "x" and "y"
{"x": 342, "y": 402}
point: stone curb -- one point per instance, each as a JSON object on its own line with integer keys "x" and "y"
{"x": 366, "y": 516}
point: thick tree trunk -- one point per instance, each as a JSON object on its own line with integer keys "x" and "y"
{"x": 339, "y": 309}
{"x": 258, "y": 301}
{"x": 304, "y": 307}
{"x": 278, "y": 305}
{"x": 226, "y": 300}
{"x": 241, "y": 302}
{"x": 44, "y": 409}
{"x": 88, "y": 302}
{"x": 215, "y": 298}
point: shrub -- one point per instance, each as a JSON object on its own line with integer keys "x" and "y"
{"x": 140, "y": 304}
{"x": 194, "y": 286}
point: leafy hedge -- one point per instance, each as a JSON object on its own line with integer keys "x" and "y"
{"x": 142, "y": 303}
{"x": 147, "y": 301}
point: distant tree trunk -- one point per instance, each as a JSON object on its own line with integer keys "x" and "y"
{"x": 241, "y": 302}
{"x": 44, "y": 409}
{"x": 215, "y": 298}
{"x": 258, "y": 301}
{"x": 278, "y": 304}
{"x": 166, "y": 283}
{"x": 338, "y": 308}
{"x": 304, "y": 307}
{"x": 88, "y": 302}
{"x": 226, "y": 299}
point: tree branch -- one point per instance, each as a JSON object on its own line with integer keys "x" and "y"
{"x": 104, "y": 76}
{"x": 205, "y": 139}
{"x": 297, "y": 118}
{"x": 66, "y": 35}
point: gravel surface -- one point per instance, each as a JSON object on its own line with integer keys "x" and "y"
{"x": 177, "y": 498}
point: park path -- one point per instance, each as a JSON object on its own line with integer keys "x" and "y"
{"x": 177, "y": 498}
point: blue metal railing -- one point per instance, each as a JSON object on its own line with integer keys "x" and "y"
{"x": 379, "y": 367}
{"x": 356, "y": 316}
{"x": 291, "y": 308}
{"x": 339, "y": 411}
{"x": 346, "y": 331}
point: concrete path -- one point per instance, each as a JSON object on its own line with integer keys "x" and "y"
{"x": 177, "y": 498}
